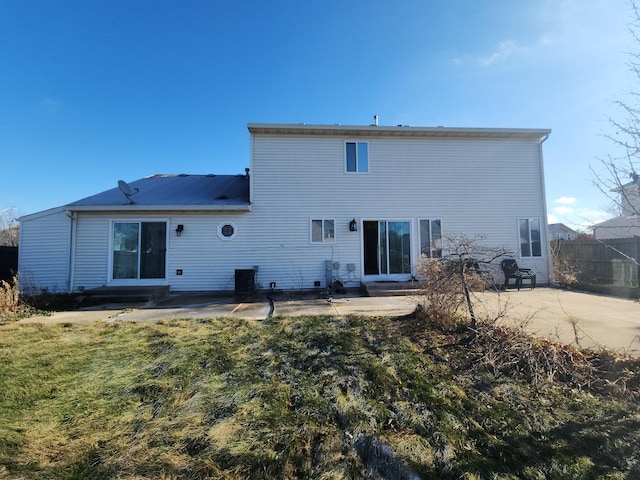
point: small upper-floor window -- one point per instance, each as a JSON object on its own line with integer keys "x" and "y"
{"x": 431, "y": 238}
{"x": 530, "y": 237}
{"x": 357, "y": 157}
{"x": 322, "y": 231}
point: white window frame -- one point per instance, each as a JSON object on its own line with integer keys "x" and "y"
{"x": 530, "y": 240}
{"x": 358, "y": 166}
{"x": 224, "y": 224}
{"x": 431, "y": 240}
{"x": 137, "y": 281}
{"x": 413, "y": 254}
{"x": 324, "y": 241}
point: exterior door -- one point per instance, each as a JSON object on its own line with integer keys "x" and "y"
{"x": 139, "y": 250}
{"x": 387, "y": 248}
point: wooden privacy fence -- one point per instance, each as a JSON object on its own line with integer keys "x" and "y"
{"x": 8, "y": 262}
{"x": 603, "y": 266}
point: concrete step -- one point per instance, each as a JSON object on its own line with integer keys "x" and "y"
{"x": 389, "y": 288}
{"x": 142, "y": 294}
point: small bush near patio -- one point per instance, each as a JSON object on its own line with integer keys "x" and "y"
{"x": 12, "y": 305}
{"x": 447, "y": 284}
{"x": 15, "y": 305}
{"x": 310, "y": 397}
{"x": 9, "y": 296}
{"x": 442, "y": 292}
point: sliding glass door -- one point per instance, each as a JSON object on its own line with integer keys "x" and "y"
{"x": 139, "y": 250}
{"x": 387, "y": 248}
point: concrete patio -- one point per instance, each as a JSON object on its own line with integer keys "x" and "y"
{"x": 566, "y": 316}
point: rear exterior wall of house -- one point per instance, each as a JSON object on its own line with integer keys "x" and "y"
{"x": 475, "y": 187}
{"x": 303, "y": 200}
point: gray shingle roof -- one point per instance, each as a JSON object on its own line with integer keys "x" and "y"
{"x": 174, "y": 192}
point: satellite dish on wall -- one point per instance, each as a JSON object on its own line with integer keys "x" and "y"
{"x": 127, "y": 191}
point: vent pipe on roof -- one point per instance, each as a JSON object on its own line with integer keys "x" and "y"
{"x": 375, "y": 120}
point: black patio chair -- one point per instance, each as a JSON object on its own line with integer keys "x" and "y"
{"x": 511, "y": 270}
{"x": 474, "y": 266}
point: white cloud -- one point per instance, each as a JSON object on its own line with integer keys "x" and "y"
{"x": 562, "y": 210}
{"x": 568, "y": 211}
{"x": 565, "y": 200}
{"x": 508, "y": 50}
{"x": 504, "y": 50}
{"x": 566, "y": 31}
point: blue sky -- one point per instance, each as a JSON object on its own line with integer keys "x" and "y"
{"x": 96, "y": 91}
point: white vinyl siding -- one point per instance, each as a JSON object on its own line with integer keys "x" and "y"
{"x": 44, "y": 252}
{"x": 91, "y": 259}
{"x": 207, "y": 261}
{"x": 481, "y": 187}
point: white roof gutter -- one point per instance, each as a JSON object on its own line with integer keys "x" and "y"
{"x": 158, "y": 208}
{"x": 398, "y": 131}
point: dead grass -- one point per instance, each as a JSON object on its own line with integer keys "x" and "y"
{"x": 310, "y": 397}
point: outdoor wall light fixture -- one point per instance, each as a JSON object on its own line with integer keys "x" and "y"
{"x": 353, "y": 225}
{"x": 179, "y": 229}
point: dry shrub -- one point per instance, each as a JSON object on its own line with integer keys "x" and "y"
{"x": 515, "y": 353}
{"x": 568, "y": 267}
{"x": 9, "y": 296}
{"x": 441, "y": 286}
{"x": 12, "y": 303}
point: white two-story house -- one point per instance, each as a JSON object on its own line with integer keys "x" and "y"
{"x": 319, "y": 202}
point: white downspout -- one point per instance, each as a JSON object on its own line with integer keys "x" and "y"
{"x": 545, "y": 222}
{"x": 72, "y": 250}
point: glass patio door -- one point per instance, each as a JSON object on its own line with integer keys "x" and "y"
{"x": 139, "y": 250}
{"x": 387, "y": 248}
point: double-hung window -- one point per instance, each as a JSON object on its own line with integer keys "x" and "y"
{"x": 357, "y": 157}
{"x": 530, "y": 237}
{"x": 322, "y": 231}
{"x": 431, "y": 238}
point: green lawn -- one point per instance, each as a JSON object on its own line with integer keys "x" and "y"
{"x": 309, "y": 397}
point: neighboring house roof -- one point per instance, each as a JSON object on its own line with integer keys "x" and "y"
{"x": 399, "y": 131}
{"x": 173, "y": 192}
{"x": 555, "y": 229}
{"x": 618, "y": 227}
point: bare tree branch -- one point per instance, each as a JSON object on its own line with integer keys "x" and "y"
{"x": 448, "y": 283}
{"x": 9, "y": 227}
{"x": 618, "y": 178}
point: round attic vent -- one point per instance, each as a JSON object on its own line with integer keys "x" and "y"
{"x": 227, "y": 231}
